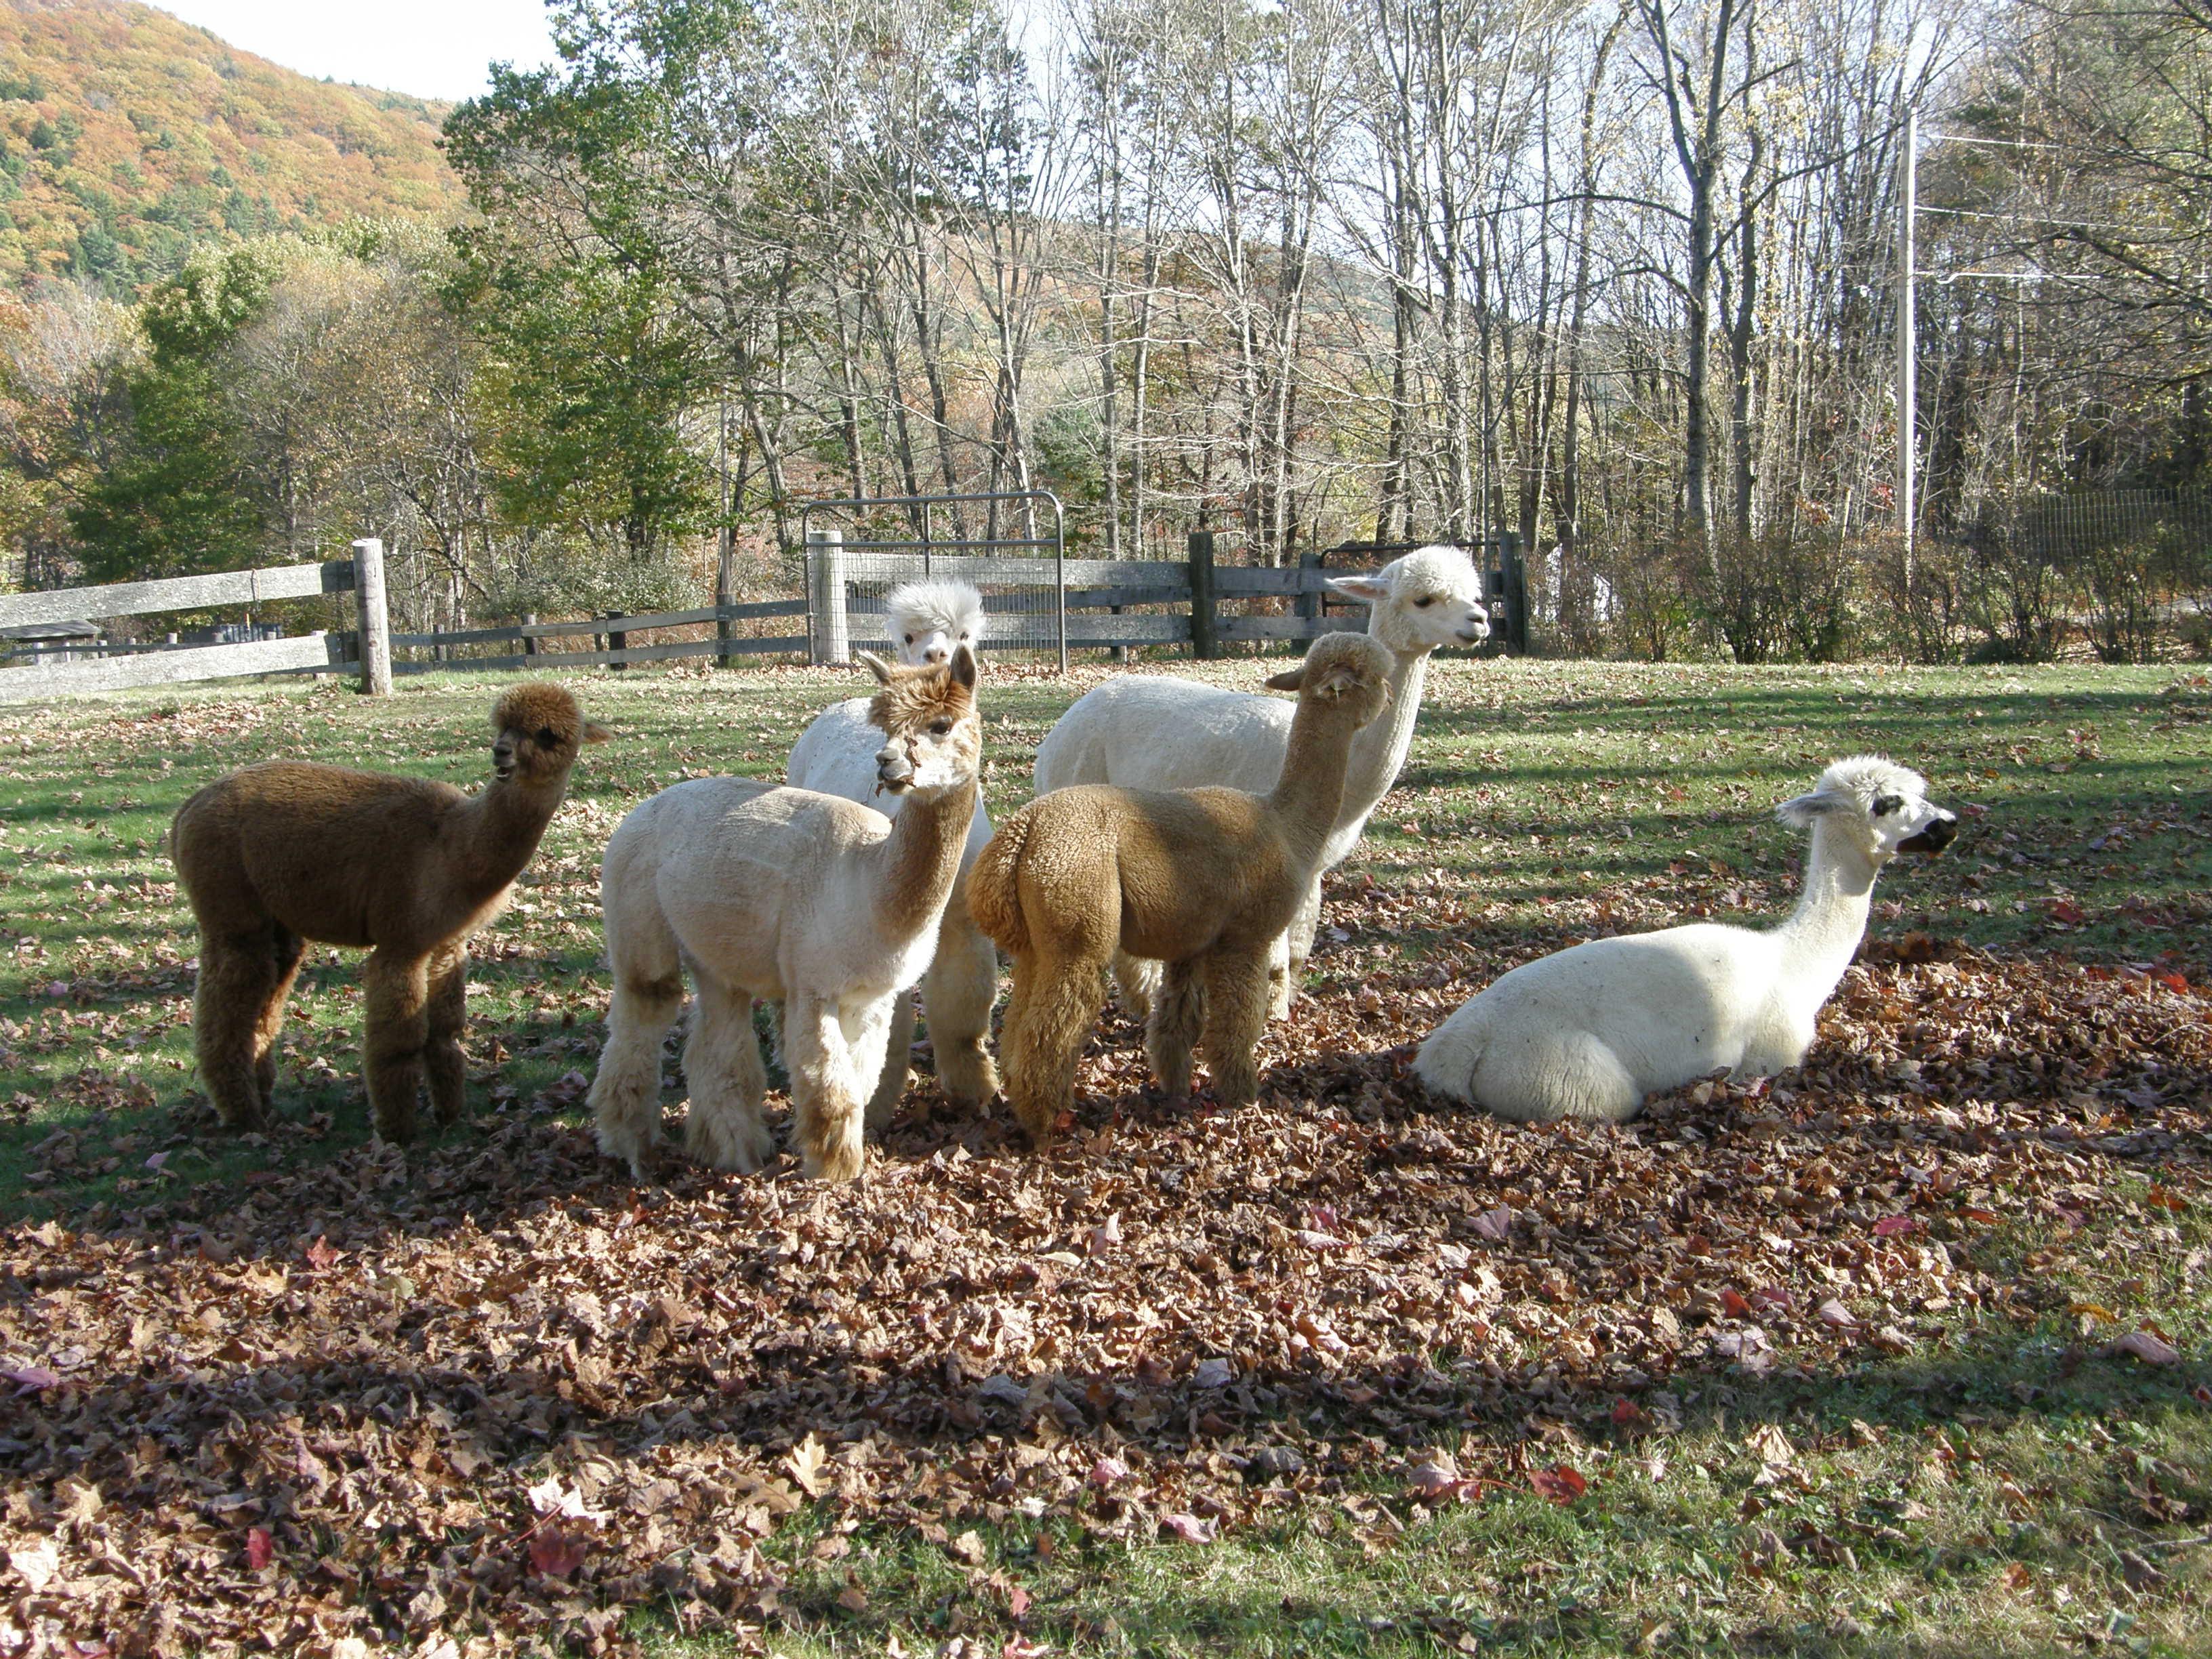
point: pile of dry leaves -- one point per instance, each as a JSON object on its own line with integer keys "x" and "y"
{"x": 496, "y": 1394}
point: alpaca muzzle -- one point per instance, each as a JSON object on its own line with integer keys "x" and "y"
{"x": 502, "y": 759}
{"x": 894, "y": 770}
{"x": 1477, "y": 629}
{"x": 1934, "y": 839}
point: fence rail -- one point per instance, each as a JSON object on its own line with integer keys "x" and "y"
{"x": 319, "y": 652}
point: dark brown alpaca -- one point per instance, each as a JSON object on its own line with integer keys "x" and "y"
{"x": 289, "y": 851}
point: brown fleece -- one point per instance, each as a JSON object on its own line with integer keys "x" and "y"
{"x": 1203, "y": 880}
{"x": 290, "y": 850}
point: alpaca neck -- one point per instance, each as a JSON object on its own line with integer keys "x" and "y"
{"x": 920, "y": 859}
{"x": 1823, "y": 933}
{"x": 1310, "y": 795}
{"x": 500, "y": 829}
{"x": 1381, "y": 746}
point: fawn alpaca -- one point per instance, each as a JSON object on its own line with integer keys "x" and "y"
{"x": 773, "y": 894}
{"x": 289, "y": 851}
{"x": 1202, "y": 880}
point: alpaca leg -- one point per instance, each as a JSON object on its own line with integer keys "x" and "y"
{"x": 961, "y": 984}
{"x": 230, "y": 1006}
{"x": 625, "y": 1097}
{"x": 395, "y": 1026}
{"x": 826, "y": 1108}
{"x": 867, "y": 1027}
{"x": 1136, "y": 981}
{"x": 1054, "y": 1007}
{"x": 895, "y": 1073}
{"x": 1178, "y": 1011}
{"x": 287, "y": 948}
{"x": 1236, "y": 1015}
{"x": 1286, "y": 965}
{"x": 722, "y": 1062}
{"x": 446, "y": 1068}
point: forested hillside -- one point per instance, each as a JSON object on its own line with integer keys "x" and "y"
{"x": 126, "y": 135}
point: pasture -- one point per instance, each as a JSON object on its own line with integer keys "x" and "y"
{"x": 1906, "y": 1352}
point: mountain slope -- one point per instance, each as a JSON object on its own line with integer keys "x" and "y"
{"x": 126, "y": 135}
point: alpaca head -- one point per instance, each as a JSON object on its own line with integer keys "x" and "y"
{"x": 928, "y": 619}
{"x": 1429, "y": 598}
{"x": 1883, "y": 806}
{"x": 539, "y": 731}
{"x": 932, "y": 733}
{"x": 1348, "y": 674}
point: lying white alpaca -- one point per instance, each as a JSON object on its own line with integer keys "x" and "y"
{"x": 836, "y": 756}
{"x": 771, "y": 894}
{"x": 1589, "y": 1032}
{"x": 1157, "y": 732}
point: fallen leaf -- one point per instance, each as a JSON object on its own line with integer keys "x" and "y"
{"x": 37, "y": 1564}
{"x": 805, "y": 1465}
{"x": 1559, "y": 1482}
{"x": 1494, "y": 1225}
{"x": 2147, "y": 1347}
{"x": 1190, "y": 1527}
{"x": 558, "y": 1551}
{"x": 1834, "y": 1313}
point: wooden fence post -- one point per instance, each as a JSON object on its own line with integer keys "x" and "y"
{"x": 617, "y": 642}
{"x": 1202, "y": 643}
{"x": 1308, "y": 604}
{"x": 725, "y": 579}
{"x": 1516, "y": 573}
{"x": 826, "y": 568}
{"x": 375, "y": 616}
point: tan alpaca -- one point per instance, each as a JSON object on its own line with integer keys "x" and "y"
{"x": 1203, "y": 880}
{"x": 289, "y": 851}
{"x": 780, "y": 895}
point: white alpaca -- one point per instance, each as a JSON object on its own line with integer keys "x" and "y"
{"x": 1589, "y": 1032}
{"x": 1157, "y": 732}
{"x": 836, "y": 756}
{"x": 773, "y": 894}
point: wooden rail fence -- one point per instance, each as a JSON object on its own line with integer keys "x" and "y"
{"x": 1111, "y": 603}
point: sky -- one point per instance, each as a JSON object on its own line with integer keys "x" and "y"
{"x": 431, "y": 48}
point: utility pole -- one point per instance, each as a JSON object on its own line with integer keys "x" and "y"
{"x": 1908, "y": 330}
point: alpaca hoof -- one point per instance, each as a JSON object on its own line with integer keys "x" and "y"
{"x": 632, "y": 1149}
{"x": 1280, "y": 994}
{"x": 844, "y": 1164}
{"x": 742, "y": 1145}
{"x": 395, "y": 1128}
{"x": 966, "y": 1074}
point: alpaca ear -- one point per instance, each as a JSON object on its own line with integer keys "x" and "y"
{"x": 1289, "y": 680}
{"x": 1805, "y": 810}
{"x": 966, "y": 670}
{"x": 1367, "y": 590}
{"x": 875, "y": 664}
{"x": 595, "y": 733}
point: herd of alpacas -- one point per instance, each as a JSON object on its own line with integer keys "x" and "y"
{"x": 1178, "y": 844}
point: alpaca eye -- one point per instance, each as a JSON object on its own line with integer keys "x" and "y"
{"x": 939, "y": 728}
{"x": 909, "y": 639}
{"x": 545, "y": 736}
{"x": 1424, "y": 604}
{"x": 1885, "y": 804}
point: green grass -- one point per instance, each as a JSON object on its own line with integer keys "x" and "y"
{"x": 1974, "y": 1503}
{"x": 1550, "y": 799}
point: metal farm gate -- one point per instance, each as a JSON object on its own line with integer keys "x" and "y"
{"x": 851, "y": 566}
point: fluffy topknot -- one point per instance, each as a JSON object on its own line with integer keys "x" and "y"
{"x": 954, "y": 608}
{"x": 540, "y": 706}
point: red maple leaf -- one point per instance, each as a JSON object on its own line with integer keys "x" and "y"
{"x": 1559, "y": 1482}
